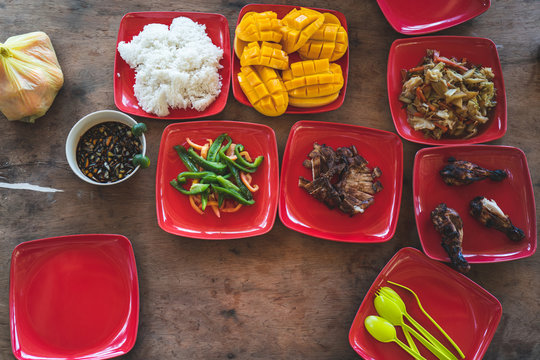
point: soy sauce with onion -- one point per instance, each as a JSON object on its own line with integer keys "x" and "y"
{"x": 105, "y": 152}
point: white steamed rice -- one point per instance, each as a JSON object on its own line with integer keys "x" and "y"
{"x": 175, "y": 67}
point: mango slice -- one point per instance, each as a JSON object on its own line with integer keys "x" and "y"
{"x": 239, "y": 46}
{"x": 298, "y": 26}
{"x": 264, "y": 89}
{"x": 330, "y": 41}
{"x": 313, "y": 102}
{"x": 313, "y": 78}
{"x": 267, "y": 54}
{"x": 263, "y": 26}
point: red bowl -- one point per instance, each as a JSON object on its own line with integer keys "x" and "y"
{"x": 301, "y": 212}
{"x": 468, "y": 313}
{"x": 281, "y": 11}
{"x": 73, "y": 297}
{"x": 426, "y": 16}
{"x": 217, "y": 28}
{"x": 407, "y": 53}
{"x": 514, "y": 195}
{"x": 174, "y": 212}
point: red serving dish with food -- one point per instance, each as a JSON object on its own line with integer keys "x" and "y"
{"x": 301, "y": 212}
{"x": 73, "y": 297}
{"x": 467, "y": 313}
{"x": 281, "y": 11}
{"x": 174, "y": 212}
{"x": 217, "y": 29}
{"x": 408, "y": 53}
{"x": 514, "y": 195}
{"x": 426, "y": 16}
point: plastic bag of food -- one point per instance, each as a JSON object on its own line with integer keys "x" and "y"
{"x": 30, "y": 76}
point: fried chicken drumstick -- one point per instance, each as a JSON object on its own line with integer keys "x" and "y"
{"x": 448, "y": 223}
{"x": 461, "y": 172}
{"x": 490, "y": 214}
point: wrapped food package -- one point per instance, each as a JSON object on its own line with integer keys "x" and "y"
{"x": 30, "y": 76}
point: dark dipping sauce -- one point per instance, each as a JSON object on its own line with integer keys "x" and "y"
{"x": 105, "y": 152}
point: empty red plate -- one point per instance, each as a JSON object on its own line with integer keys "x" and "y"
{"x": 301, "y": 212}
{"x": 73, "y": 297}
{"x": 468, "y": 313}
{"x": 408, "y": 53}
{"x": 174, "y": 212}
{"x": 514, "y": 195}
{"x": 426, "y": 16}
{"x": 281, "y": 11}
{"x": 217, "y": 28}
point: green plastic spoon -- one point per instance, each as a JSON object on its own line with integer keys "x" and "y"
{"x": 395, "y": 318}
{"x": 390, "y": 311}
{"x": 383, "y": 331}
{"x": 390, "y": 292}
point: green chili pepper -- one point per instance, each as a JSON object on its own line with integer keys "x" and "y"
{"x": 243, "y": 188}
{"x": 220, "y": 199}
{"x": 204, "y": 200}
{"x": 213, "y": 166}
{"x": 226, "y": 183}
{"x": 240, "y": 159}
{"x": 182, "y": 153}
{"x": 225, "y": 147}
{"x": 194, "y": 175}
{"x": 214, "y": 148}
{"x": 228, "y": 160}
{"x": 233, "y": 194}
{"x": 193, "y": 190}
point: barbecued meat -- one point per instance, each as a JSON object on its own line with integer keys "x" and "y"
{"x": 490, "y": 214}
{"x": 460, "y": 172}
{"x": 448, "y": 223}
{"x": 341, "y": 178}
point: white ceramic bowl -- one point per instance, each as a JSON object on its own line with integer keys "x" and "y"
{"x": 83, "y": 126}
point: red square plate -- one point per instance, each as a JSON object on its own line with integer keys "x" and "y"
{"x": 514, "y": 195}
{"x": 73, "y": 297}
{"x": 217, "y": 28}
{"x": 303, "y": 213}
{"x": 281, "y": 11}
{"x": 468, "y": 313}
{"x": 174, "y": 212}
{"x": 408, "y": 53}
{"x": 426, "y": 16}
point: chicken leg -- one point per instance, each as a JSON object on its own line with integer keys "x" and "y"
{"x": 448, "y": 223}
{"x": 490, "y": 214}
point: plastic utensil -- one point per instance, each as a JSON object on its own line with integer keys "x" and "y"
{"x": 390, "y": 293}
{"x": 425, "y": 313}
{"x": 390, "y": 311}
{"x": 383, "y": 331}
{"x": 395, "y": 318}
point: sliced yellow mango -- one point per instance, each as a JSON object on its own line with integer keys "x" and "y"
{"x": 263, "y": 26}
{"x": 313, "y": 101}
{"x": 330, "y": 18}
{"x": 239, "y": 46}
{"x": 264, "y": 89}
{"x": 298, "y": 26}
{"x": 330, "y": 41}
{"x": 313, "y": 78}
{"x": 267, "y": 54}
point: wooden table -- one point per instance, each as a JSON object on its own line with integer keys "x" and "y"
{"x": 282, "y": 295}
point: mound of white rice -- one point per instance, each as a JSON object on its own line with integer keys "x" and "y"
{"x": 175, "y": 67}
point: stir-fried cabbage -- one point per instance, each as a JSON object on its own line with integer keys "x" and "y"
{"x": 447, "y": 97}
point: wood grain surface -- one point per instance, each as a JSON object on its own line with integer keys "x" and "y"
{"x": 283, "y": 295}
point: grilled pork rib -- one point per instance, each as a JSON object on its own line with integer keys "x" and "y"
{"x": 448, "y": 223}
{"x": 490, "y": 214}
{"x": 341, "y": 178}
{"x": 461, "y": 172}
